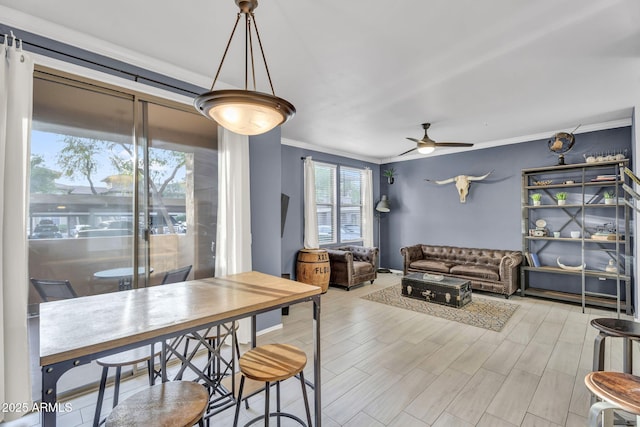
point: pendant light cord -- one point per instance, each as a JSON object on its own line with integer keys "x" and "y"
{"x": 248, "y": 53}
{"x": 225, "y": 51}
{"x": 264, "y": 58}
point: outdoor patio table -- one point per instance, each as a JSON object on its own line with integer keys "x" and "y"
{"x": 123, "y": 274}
{"x": 72, "y": 334}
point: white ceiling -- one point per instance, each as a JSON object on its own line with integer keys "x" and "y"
{"x": 364, "y": 75}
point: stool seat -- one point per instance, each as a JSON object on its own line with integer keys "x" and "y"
{"x": 129, "y": 357}
{"x": 170, "y": 404}
{"x": 272, "y": 362}
{"x": 617, "y": 327}
{"x": 623, "y": 390}
{"x": 118, "y": 360}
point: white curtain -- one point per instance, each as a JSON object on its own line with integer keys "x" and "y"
{"x": 367, "y": 208}
{"x": 310, "y": 211}
{"x": 233, "y": 240}
{"x": 16, "y": 97}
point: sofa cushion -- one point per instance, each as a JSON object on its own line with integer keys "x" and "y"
{"x": 432, "y": 265}
{"x": 481, "y": 271}
{"x": 361, "y": 267}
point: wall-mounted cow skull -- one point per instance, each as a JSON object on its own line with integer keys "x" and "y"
{"x": 462, "y": 183}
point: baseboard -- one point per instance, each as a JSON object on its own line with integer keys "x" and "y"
{"x": 270, "y": 329}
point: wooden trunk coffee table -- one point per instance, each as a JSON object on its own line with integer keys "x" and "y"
{"x": 438, "y": 289}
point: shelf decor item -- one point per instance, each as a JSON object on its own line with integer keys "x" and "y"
{"x": 535, "y": 260}
{"x": 561, "y": 197}
{"x": 390, "y": 174}
{"x": 568, "y": 267}
{"x": 536, "y": 198}
{"x": 562, "y": 142}
{"x": 609, "y": 198}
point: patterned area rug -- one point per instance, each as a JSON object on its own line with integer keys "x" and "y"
{"x": 481, "y": 312}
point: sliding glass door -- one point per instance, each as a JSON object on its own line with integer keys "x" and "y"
{"x": 123, "y": 190}
{"x": 180, "y": 204}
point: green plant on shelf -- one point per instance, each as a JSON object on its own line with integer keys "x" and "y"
{"x": 536, "y": 197}
{"x": 390, "y": 174}
{"x": 561, "y": 195}
{"x": 609, "y": 195}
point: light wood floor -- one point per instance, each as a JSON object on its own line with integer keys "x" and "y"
{"x": 385, "y": 366}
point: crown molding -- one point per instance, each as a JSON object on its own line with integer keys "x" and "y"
{"x": 307, "y": 146}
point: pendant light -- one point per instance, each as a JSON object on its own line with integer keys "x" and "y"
{"x": 246, "y": 112}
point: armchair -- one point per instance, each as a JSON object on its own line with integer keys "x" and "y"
{"x": 352, "y": 265}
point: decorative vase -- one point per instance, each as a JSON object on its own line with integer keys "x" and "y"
{"x": 390, "y": 179}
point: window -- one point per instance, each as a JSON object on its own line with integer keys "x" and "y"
{"x": 338, "y": 203}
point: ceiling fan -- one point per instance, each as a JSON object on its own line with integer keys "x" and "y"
{"x": 426, "y": 145}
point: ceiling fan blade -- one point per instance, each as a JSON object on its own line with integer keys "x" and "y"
{"x": 408, "y": 151}
{"x": 413, "y": 139}
{"x": 453, "y": 144}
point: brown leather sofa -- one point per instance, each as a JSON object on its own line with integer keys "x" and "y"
{"x": 490, "y": 270}
{"x": 352, "y": 265}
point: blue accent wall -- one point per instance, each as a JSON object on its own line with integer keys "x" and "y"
{"x": 293, "y": 186}
{"x": 424, "y": 212}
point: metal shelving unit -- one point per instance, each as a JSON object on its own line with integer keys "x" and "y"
{"x": 586, "y": 183}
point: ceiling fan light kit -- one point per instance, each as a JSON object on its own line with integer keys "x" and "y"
{"x": 427, "y": 145}
{"x": 246, "y": 112}
{"x": 425, "y": 148}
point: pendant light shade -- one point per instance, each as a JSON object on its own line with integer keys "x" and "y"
{"x": 246, "y": 112}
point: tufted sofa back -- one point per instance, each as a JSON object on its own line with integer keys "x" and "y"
{"x": 360, "y": 253}
{"x": 464, "y": 255}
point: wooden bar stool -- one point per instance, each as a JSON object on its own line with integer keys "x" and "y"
{"x": 617, "y": 390}
{"x": 269, "y": 364}
{"x": 126, "y": 358}
{"x": 170, "y": 404}
{"x": 626, "y": 329}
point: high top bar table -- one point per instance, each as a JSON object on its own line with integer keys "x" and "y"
{"x": 76, "y": 331}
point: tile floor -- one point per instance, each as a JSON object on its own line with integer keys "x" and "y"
{"x": 385, "y": 366}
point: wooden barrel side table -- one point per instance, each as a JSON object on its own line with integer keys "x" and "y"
{"x": 313, "y": 268}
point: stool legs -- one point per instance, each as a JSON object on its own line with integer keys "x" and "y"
{"x": 598, "y": 352}
{"x": 278, "y": 412}
{"x": 606, "y": 409}
{"x": 235, "y": 418}
{"x": 627, "y": 357}
{"x": 266, "y": 403}
{"x": 116, "y": 388}
{"x": 103, "y": 384}
{"x": 306, "y": 399}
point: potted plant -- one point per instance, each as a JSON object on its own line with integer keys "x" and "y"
{"x": 536, "y": 198}
{"x": 561, "y": 197}
{"x": 389, "y": 173}
{"x": 609, "y": 198}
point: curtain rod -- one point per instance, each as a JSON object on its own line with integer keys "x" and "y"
{"x": 34, "y": 47}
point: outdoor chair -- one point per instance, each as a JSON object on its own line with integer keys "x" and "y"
{"x": 52, "y": 290}
{"x": 177, "y": 275}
